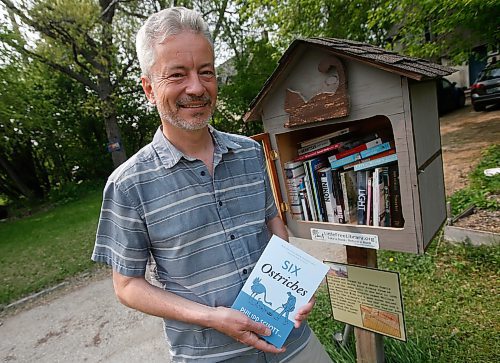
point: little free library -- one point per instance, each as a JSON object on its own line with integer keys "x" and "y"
{"x": 353, "y": 144}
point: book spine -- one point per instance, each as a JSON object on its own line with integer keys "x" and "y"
{"x": 328, "y": 136}
{"x": 313, "y": 154}
{"x": 335, "y": 164}
{"x": 347, "y": 214}
{"x": 362, "y": 195}
{"x": 376, "y": 196}
{"x": 339, "y": 198}
{"x": 350, "y": 187}
{"x": 314, "y": 147}
{"x": 387, "y": 204}
{"x": 397, "y": 219}
{"x": 306, "y": 213}
{"x": 376, "y": 162}
{"x": 356, "y": 149}
{"x": 373, "y": 157}
{"x": 310, "y": 199}
{"x": 376, "y": 149}
{"x": 328, "y": 198}
{"x": 314, "y": 165}
{"x": 294, "y": 174}
{"x": 369, "y": 203}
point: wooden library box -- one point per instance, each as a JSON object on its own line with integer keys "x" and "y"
{"x": 354, "y": 143}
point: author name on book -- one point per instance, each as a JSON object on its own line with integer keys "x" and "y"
{"x": 257, "y": 318}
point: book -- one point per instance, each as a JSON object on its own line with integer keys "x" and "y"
{"x": 294, "y": 174}
{"x": 309, "y": 199}
{"x": 339, "y": 195}
{"x": 325, "y": 175}
{"x": 361, "y": 181}
{"x": 376, "y": 162}
{"x": 376, "y": 149}
{"x": 318, "y": 152}
{"x": 283, "y": 280}
{"x": 327, "y": 136}
{"x": 356, "y": 149}
{"x": 378, "y": 197}
{"x": 314, "y": 147}
{"x": 369, "y": 199}
{"x": 397, "y": 219}
{"x": 387, "y": 216}
{"x": 306, "y": 212}
{"x": 349, "y": 190}
{"x": 311, "y": 167}
{"x": 373, "y": 157}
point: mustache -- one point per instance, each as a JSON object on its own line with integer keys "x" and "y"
{"x": 187, "y": 100}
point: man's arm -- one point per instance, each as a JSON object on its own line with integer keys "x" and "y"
{"x": 277, "y": 227}
{"x": 139, "y": 294}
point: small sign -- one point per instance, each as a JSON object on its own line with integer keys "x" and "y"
{"x": 114, "y": 146}
{"x": 345, "y": 238}
{"x": 367, "y": 298}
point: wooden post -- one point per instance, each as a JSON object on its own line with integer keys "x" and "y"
{"x": 369, "y": 345}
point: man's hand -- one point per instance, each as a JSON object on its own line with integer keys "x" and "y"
{"x": 243, "y": 329}
{"x": 304, "y": 311}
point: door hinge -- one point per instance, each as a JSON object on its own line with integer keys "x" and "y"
{"x": 274, "y": 155}
{"x": 284, "y": 207}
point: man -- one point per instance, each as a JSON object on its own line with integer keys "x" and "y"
{"x": 198, "y": 202}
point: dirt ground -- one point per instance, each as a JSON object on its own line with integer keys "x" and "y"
{"x": 464, "y": 135}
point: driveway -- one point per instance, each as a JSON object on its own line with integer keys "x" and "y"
{"x": 87, "y": 323}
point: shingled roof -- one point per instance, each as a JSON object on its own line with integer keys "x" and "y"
{"x": 413, "y": 68}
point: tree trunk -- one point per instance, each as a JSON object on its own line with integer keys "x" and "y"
{"x": 115, "y": 144}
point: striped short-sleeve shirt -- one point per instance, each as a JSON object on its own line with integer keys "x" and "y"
{"x": 205, "y": 234}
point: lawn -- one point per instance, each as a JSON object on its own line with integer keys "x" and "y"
{"x": 43, "y": 249}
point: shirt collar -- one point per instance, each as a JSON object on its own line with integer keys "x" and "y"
{"x": 170, "y": 155}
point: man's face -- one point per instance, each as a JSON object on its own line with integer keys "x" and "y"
{"x": 182, "y": 82}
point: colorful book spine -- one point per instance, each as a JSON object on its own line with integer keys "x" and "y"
{"x": 339, "y": 196}
{"x": 327, "y": 136}
{"x": 376, "y": 149}
{"x": 355, "y": 150}
{"x": 376, "y": 162}
{"x": 319, "y": 152}
{"x": 378, "y": 197}
{"x": 373, "y": 157}
{"x": 335, "y": 164}
{"x": 294, "y": 174}
{"x": 349, "y": 190}
{"x": 312, "y": 166}
{"x": 362, "y": 178}
{"x": 387, "y": 217}
{"x": 326, "y": 180}
{"x": 397, "y": 219}
{"x": 309, "y": 198}
{"x": 314, "y": 147}
{"x": 369, "y": 200}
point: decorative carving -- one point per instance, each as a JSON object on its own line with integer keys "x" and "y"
{"x": 330, "y": 101}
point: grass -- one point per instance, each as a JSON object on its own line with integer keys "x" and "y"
{"x": 451, "y": 306}
{"x": 43, "y": 249}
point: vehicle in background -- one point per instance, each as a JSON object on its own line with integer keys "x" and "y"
{"x": 486, "y": 90}
{"x": 449, "y": 96}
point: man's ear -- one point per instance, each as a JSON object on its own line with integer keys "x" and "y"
{"x": 147, "y": 86}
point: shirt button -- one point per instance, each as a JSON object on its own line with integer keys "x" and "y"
{"x": 220, "y": 203}
{"x": 245, "y": 271}
{"x": 232, "y": 236}
{"x": 202, "y": 173}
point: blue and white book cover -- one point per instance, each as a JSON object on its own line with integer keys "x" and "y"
{"x": 283, "y": 280}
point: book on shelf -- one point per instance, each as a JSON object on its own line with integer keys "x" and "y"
{"x": 311, "y": 167}
{"x": 314, "y": 147}
{"x": 306, "y": 212}
{"x": 370, "y": 164}
{"x": 339, "y": 196}
{"x": 369, "y": 200}
{"x": 362, "y": 183}
{"x": 378, "y": 197}
{"x": 283, "y": 280}
{"x": 373, "y": 157}
{"x": 396, "y": 215}
{"x": 387, "y": 217}
{"x": 325, "y": 177}
{"x": 350, "y": 196}
{"x": 319, "y": 152}
{"x": 312, "y": 216}
{"x": 294, "y": 175}
{"x": 327, "y": 136}
{"x": 356, "y": 149}
{"x": 377, "y": 149}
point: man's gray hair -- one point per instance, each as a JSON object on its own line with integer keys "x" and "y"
{"x": 159, "y": 26}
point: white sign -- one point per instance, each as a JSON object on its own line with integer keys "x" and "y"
{"x": 345, "y": 238}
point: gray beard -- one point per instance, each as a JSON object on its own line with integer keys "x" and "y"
{"x": 181, "y": 123}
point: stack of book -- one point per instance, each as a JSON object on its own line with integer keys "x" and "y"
{"x": 345, "y": 177}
